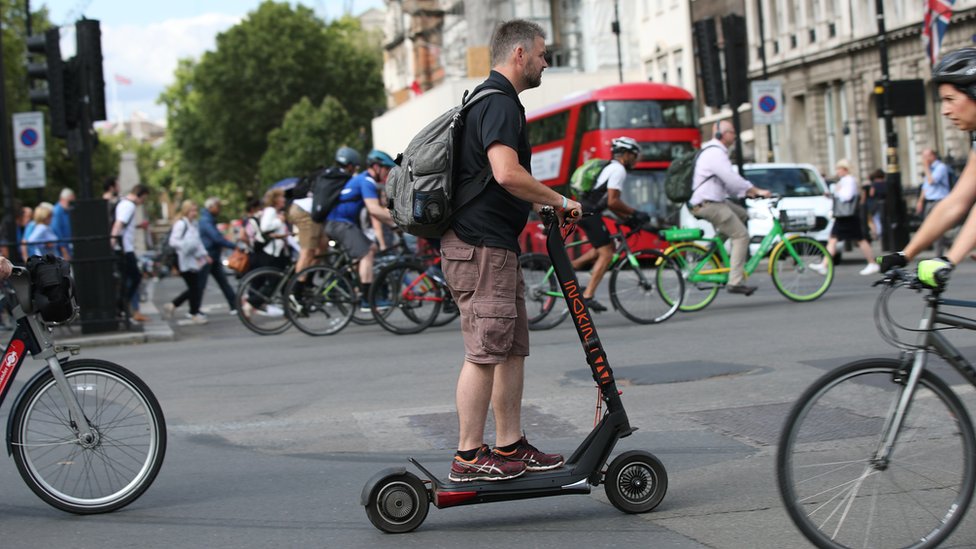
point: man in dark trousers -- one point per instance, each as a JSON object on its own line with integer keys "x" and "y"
{"x": 480, "y": 262}
{"x": 215, "y": 242}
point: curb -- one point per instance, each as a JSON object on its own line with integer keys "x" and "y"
{"x": 156, "y": 330}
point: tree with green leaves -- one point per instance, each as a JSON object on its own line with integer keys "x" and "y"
{"x": 230, "y": 114}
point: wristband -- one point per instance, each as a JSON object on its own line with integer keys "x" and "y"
{"x": 565, "y": 202}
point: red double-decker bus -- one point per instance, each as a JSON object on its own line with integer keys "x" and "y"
{"x": 563, "y": 136}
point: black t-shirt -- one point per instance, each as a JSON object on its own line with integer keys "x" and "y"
{"x": 496, "y": 217}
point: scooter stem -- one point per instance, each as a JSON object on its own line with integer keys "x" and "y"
{"x": 580, "y": 313}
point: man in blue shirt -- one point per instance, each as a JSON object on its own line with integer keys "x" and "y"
{"x": 343, "y": 223}
{"x": 935, "y": 187}
{"x": 61, "y": 221}
{"x": 214, "y": 242}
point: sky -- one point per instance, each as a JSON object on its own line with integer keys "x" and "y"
{"x": 143, "y": 39}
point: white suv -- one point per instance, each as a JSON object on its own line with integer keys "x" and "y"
{"x": 801, "y": 187}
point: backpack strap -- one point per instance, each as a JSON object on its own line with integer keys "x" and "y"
{"x": 467, "y": 193}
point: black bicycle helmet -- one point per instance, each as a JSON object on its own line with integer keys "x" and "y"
{"x": 346, "y": 156}
{"x": 957, "y": 67}
{"x": 625, "y": 144}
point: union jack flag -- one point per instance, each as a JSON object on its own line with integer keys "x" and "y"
{"x": 937, "y": 14}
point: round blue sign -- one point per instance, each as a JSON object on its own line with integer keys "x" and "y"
{"x": 767, "y": 104}
{"x": 29, "y": 137}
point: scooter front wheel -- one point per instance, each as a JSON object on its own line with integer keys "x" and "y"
{"x": 398, "y": 503}
{"x": 636, "y": 482}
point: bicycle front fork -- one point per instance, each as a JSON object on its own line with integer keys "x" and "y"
{"x": 908, "y": 378}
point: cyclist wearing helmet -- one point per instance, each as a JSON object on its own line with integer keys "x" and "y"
{"x": 310, "y": 234}
{"x": 716, "y": 179}
{"x": 343, "y": 225}
{"x": 606, "y": 193}
{"x": 955, "y": 76}
{"x": 381, "y": 233}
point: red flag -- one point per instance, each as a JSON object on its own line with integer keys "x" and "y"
{"x": 415, "y": 87}
{"x": 937, "y": 15}
{"x": 119, "y": 79}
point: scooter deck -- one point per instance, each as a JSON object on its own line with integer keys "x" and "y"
{"x": 565, "y": 480}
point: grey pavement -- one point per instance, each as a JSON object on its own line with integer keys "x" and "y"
{"x": 272, "y": 438}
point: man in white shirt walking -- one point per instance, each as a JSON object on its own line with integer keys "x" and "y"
{"x": 714, "y": 181}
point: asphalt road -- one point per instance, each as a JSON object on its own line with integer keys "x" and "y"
{"x": 272, "y": 438}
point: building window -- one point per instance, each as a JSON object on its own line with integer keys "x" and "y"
{"x": 792, "y": 41}
{"x": 775, "y": 47}
{"x": 831, "y": 29}
{"x": 813, "y": 36}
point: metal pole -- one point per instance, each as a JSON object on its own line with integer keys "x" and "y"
{"x": 615, "y": 27}
{"x": 895, "y": 234}
{"x": 770, "y": 157}
{"x": 6, "y": 162}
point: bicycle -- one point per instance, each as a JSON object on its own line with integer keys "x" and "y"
{"x": 411, "y": 295}
{"x": 261, "y": 295}
{"x": 637, "y": 284}
{"x": 881, "y": 452}
{"x": 88, "y": 436}
{"x": 799, "y": 265}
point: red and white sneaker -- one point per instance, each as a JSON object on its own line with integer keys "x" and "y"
{"x": 533, "y": 459}
{"x": 486, "y": 465}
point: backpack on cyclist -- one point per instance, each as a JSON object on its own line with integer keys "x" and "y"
{"x": 680, "y": 175}
{"x": 326, "y": 187}
{"x": 421, "y": 187}
{"x": 584, "y": 178}
{"x": 52, "y": 287}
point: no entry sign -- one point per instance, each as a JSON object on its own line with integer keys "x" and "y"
{"x": 767, "y": 102}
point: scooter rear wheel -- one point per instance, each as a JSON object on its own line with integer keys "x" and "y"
{"x": 398, "y": 503}
{"x": 636, "y": 482}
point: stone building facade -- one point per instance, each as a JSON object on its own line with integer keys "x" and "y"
{"x": 825, "y": 53}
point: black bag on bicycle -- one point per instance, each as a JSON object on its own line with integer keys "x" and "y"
{"x": 52, "y": 287}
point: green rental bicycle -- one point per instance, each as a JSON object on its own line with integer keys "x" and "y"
{"x": 799, "y": 265}
{"x": 639, "y": 282}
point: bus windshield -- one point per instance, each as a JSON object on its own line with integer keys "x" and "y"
{"x": 612, "y": 115}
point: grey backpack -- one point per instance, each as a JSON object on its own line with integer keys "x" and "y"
{"x": 421, "y": 188}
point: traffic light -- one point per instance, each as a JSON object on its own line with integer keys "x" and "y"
{"x": 89, "y": 39}
{"x": 50, "y": 70}
{"x": 709, "y": 65}
{"x": 736, "y": 59}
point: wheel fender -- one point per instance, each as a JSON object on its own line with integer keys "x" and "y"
{"x": 16, "y": 403}
{"x": 367, "y": 488}
{"x": 776, "y": 249}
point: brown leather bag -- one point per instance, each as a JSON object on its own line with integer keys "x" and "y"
{"x": 239, "y": 260}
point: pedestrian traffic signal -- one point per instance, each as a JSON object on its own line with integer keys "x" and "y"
{"x": 709, "y": 65}
{"x": 50, "y": 70}
{"x": 736, "y": 59}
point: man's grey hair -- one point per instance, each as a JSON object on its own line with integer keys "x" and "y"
{"x": 508, "y": 35}
{"x": 66, "y": 194}
{"x": 211, "y": 202}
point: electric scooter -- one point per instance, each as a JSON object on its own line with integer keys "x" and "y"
{"x": 397, "y": 501}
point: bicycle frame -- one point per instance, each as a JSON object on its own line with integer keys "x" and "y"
{"x": 928, "y": 340}
{"x": 622, "y": 251}
{"x": 716, "y": 246}
{"x": 32, "y": 337}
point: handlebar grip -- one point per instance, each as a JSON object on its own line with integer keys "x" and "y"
{"x": 573, "y": 214}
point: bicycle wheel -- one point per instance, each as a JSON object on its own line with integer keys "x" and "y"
{"x": 697, "y": 295}
{"x": 324, "y": 304}
{"x": 405, "y": 299}
{"x": 835, "y": 489}
{"x": 796, "y": 279}
{"x": 262, "y": 303}
{"x": 638, "y": 291}
{"x": 97, "y": 476}
{"x": 541, "y": 291}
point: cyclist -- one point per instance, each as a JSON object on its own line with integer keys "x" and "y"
{"x": 360, "y": 192}
{"x": 955, "y": 76}
{"x": 715, "y": 180}
{"x": 606, "y": 194}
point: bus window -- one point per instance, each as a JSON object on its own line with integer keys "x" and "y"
{"x": 644, "y": 189}
{"x": 550, "y": 128}
{"x": 646, "y": 114}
